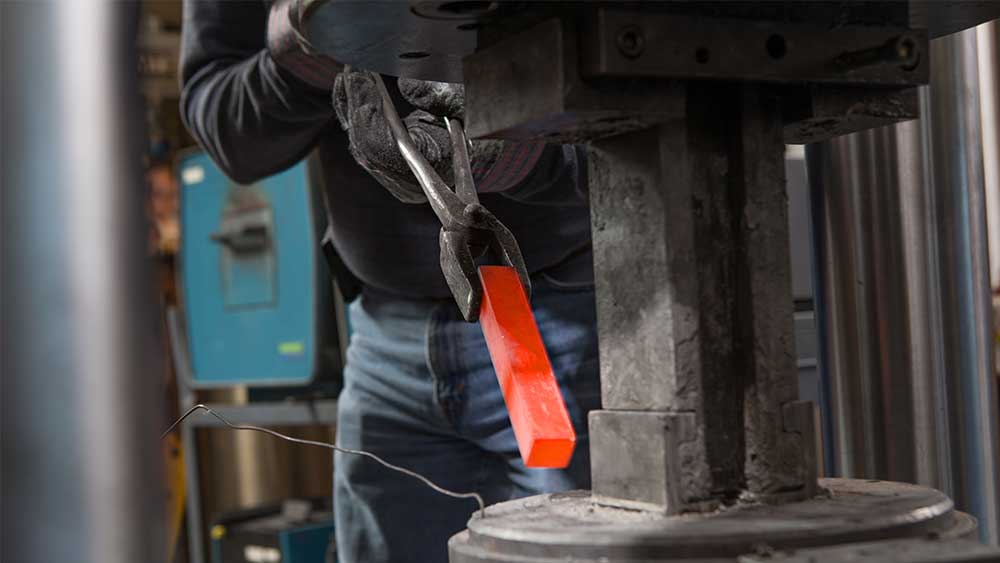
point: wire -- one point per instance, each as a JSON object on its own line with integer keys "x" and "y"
{"x": 384, "y": 463}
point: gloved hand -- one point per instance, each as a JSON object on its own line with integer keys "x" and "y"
{"x": 290, "y": 49}
{"x": 359, "y": 109}
{"x": 438, "y": 98}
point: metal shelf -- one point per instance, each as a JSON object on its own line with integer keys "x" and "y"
{"x": 305, "y": 412}
{"x": 299, "y": 413}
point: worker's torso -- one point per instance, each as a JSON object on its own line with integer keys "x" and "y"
{"x": 393, "y": 246}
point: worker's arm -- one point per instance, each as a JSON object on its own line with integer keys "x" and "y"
{"x": 559, "y": 177}
{"x": 253, "y": 116}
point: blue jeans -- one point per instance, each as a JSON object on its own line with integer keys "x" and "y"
{"x": 420, "y": 391}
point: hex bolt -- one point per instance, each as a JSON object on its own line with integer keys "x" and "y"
{"x": 630, "y": 41}
{"x": 903, "y": 50}
{"x": 908, "y": 52}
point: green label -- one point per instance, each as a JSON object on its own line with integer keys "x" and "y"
{"x": 295, "y": 348}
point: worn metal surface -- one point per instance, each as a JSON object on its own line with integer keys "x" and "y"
{"x": 816, "y": 113}
{"x": 559, "y": 103}
{"x": 896, "y": 551}
{"x": 800, "y": 418}
{"x": 553, "y": 101}
{"x": 650, "y": 333}
{"x": 390, "y": 38}
{"x": 572, "y": 526}
{"x": 656, "y": 473}
{"x": 633, "y": 43}
{"x": 704, "y": 326}
{"x": 427, "y": 39}
{"x": 763, "y": 308}
{"x": 650, "y": 353}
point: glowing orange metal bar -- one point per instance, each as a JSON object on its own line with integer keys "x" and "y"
{"x": 538, "y": 414}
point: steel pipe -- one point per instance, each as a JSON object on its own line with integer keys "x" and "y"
{"x": 989, "y": 100}
{"x": 963, "y": 270}
{"x": 873, "y": 303}
{"x": 903, "y": 294}
{"x": 80, "y": 353}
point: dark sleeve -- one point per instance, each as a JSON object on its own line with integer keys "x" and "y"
{"x": 558, "y": 178}
{"x": 254, "y": 118}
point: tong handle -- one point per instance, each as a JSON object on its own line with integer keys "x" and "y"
{"x": 465, "y": 223}
{"x": 465, "y": 186}
{"x": 445, "y": 203}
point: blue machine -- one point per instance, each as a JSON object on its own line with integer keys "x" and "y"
{"x": 296, "y": 531}
{"x": 257, "y": 295}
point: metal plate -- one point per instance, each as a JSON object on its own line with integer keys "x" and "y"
{"x": 896, "y": 551}
{"x": 427, "y": 39}
{"x": 629, "y": 43}
{"x": 571, "y": 525}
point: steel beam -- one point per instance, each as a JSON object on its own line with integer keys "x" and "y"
{"x": 559, "y": 102}
{"x": 701, "y": 335}
{"x": 625, "y": 42}
{"x": 814, "y": 113}
{"x": 554, "y": 102}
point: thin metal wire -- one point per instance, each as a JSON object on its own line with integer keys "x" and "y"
{"x": 384, "y": 463}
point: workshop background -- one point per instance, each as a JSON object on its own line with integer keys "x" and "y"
{"x": 222, "y": 483}
{"x": 236, "y": 471}
{"x": 223, "y": 489}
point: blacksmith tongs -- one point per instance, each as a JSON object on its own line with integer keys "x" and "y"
{"x": 468, "y": 230}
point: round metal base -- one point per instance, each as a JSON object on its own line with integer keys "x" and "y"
{"x": 572, "y": 527}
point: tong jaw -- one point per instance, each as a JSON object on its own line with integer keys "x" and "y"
{"x": 461, "y": 247}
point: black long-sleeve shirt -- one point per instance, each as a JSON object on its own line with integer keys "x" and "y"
{"x": 256, "y": 119}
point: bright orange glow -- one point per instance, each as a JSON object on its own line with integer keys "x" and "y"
{"x": 538, "y": 414}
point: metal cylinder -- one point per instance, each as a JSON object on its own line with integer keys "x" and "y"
{"x": 988, "y": 36}
{"x": 874, "y": 305}
{"x": 963, "y": 269}
{"x": 80, "y": 356}
{"x": 903, "y": 294}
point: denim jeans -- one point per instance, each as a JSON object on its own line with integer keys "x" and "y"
{"x": 420, "y": 391}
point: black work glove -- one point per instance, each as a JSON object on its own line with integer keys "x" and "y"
{"x": 359, "y": 109}
{"x": 438, "y": 98}
{"x": 290, "y": 49}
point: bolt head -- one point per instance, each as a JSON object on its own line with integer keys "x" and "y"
{"x": 630, "y": 41}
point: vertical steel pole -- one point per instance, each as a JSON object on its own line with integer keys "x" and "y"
{"x": 903, "y": 293}
{"x": 989, "y": 104}
{"x": 877, "y": 312}
{"x": 80, "y": 355}
{"x": 698, "y": 376}
{"x": 959, "y": 192}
